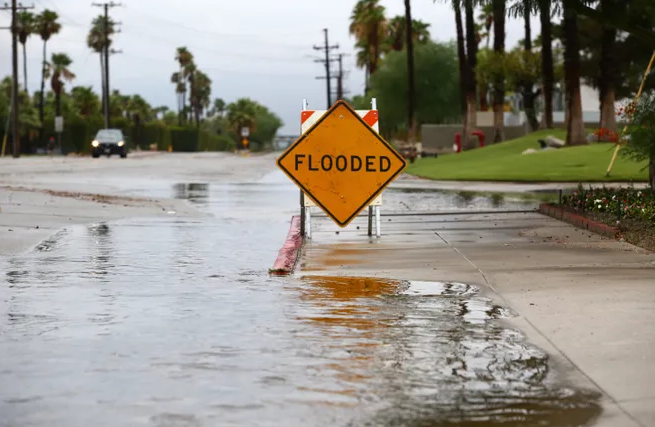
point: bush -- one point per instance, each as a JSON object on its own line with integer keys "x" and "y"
{"x": 211, "y": 142}
{"x": 641, "y": 131}
{"x": 632, "y": 203}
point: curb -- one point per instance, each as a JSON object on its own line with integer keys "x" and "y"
{"x": 573, "y": 218}
{"x": 290, "y": 251}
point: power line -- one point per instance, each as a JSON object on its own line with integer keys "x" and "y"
{"x": 14, "y": 73}
{"x": 326, "y": 47}
{"x": 105, "y": 86}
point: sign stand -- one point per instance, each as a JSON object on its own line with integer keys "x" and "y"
{"x": 373, "y": 210}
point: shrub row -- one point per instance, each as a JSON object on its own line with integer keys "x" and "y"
{"x": 630, "y": 202}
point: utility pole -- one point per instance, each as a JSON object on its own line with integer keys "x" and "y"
{"x": 340, "y": 78}
{"x": 14, "y": 74}
{"x": 106, "y": 52}
{"x": 326, "y": 47}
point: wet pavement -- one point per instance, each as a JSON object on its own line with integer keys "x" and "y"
{"x": 176, "y": 322}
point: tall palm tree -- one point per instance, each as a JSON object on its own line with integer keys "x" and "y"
{"x": 367, "y": 24}
{"x": 46, "y": 27}
{"x": 527, "y": 90}
{"x": 471, "y": 55}
{"x": 200, "y": 95}
{"x": 396, "y": 34}
{"x": 60, "y": 73}
{"x": 464, "y": 69}
{"x": 183, "y": 58}
{"x": 25, "y": 27}
{"x": 575, "y": 131}
{"x": 547, "y": 68}
{"x": 96, "y": 41}
{"x": 499, "y": 83}
{"x": 608, "y": 70}
{"x": 409, "y": 41}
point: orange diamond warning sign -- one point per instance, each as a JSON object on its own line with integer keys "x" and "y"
{"x": 341, "y": 163}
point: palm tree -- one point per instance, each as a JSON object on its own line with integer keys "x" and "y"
{"x": 96, "y": 41}
{"x": 368, "y": 24}
{"x": 218, "y": 107}
{"x": 396, "y": 34}
{"x": 118, "y": 104}
{"x": 528, "y": 93}
{"x": 25, "y": 27}
{"x": 471, "y": 55}
{"x": 499, "y": 83}
{"x": 575, "y": 131}
{"x": 184, "y": 58}
{"x": 608, "y": 70}
{"x": 409, "y": 40}
{"x": 200, "y": 95}
{"x": 60, "y": 72}
{"x": 464, "y": 69}
{"x": 486, "y": 17}
{"x": 241, "y": 114}
{"x": 46, "y": 26}
{"x": 547, "y": 69}
{"x": 85, "y": 100}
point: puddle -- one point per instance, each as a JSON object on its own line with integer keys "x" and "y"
{"x": 173, "y": 321}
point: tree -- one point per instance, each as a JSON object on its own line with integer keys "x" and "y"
{"x": 85, "y": 100}
{"x": 437, "y": 87}
{"x": 463, "y": 68}
{"x": 396, "y": 34}
{"x": 184, "y": 59}
{"x": 241, "y": 114}
{"x": 46, "y": 27}
{"x": 368, "y": 25}
{"x": 60, "y": 72}
{"x": 96, "y": 40}
{"x": 218, "y": 108}
{"x": 498, "y": 78}
{"x": 25, "y": 26}
{"x": 641, "y": 131}
{"x": 575, "y": 131}
{"x": 200, "y": 95}
{"x": 547, "y": 69}
{"x": 411, "y": 84}
{"x": 471, "y": 84}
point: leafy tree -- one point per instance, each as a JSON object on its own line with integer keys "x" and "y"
{"x": 437, "y": 91}
{"x": 641, "y": 132}
{"x": 85, "y": 100}
{"x": 28, "y": 115}
{"x": 523, "y": 68}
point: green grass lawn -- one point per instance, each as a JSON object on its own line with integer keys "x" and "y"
{"x": 504, "y": 162}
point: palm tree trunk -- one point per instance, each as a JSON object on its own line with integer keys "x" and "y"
{"x": 528, "y": 94}
{"x": 499, "y": 84}
{"x": 471, "y": 89}
{"x": 411, "y": 125}
{"x": 463, "y": 66}
{"x": 575, "y": 125}
{"x": 607, "y": 75}
{"x": 25, "y": 67}
{"x": 547, "y": 71}
{"x": 42, "y": 96}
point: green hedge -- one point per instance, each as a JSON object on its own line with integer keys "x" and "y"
{"x": 79, "y": 132}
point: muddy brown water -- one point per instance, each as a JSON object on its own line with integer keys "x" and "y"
{"x": 175, "y": 322}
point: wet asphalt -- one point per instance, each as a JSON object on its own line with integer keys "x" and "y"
{"x": 176, "y": 322}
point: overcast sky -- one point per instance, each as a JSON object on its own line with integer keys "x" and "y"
{"x": 252, "y": 48}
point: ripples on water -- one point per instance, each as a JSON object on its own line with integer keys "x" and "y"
{"x": 174, "y": 322}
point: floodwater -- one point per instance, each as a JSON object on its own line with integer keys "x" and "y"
{"x": 176, "y": 322}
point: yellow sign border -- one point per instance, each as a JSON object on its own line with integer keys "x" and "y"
{"x": 377, "y": 136}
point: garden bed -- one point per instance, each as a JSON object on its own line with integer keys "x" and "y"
{"x": 629, "y": 211}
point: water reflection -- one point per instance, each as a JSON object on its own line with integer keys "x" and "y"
{"x": 430, "y": 354}
{"x": 197, "y": 193}
{"x": 100, "y": 248}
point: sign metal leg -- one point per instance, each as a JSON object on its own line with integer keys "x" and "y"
{"x": 370, "y": 220}
{"x": 308, "y": 225}
{"x": 377, "y": 221}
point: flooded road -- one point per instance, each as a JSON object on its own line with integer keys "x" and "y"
{"x": 176, "y": 322}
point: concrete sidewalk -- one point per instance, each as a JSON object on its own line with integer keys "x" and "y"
{"x": 586, "y": 300}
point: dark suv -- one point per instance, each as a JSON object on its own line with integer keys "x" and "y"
{"x": 108, "y": 142}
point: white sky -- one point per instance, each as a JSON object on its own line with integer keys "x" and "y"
{"x": 256, "y": 48}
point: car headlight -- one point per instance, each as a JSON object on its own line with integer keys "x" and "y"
{"x": 121, "y": 143}
{"x": 95, "y": 143}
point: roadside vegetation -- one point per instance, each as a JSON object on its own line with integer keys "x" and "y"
{"x": 629, "y": 209}
{"x": 606, "y": 44}
{"x": 200, "y": 121}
